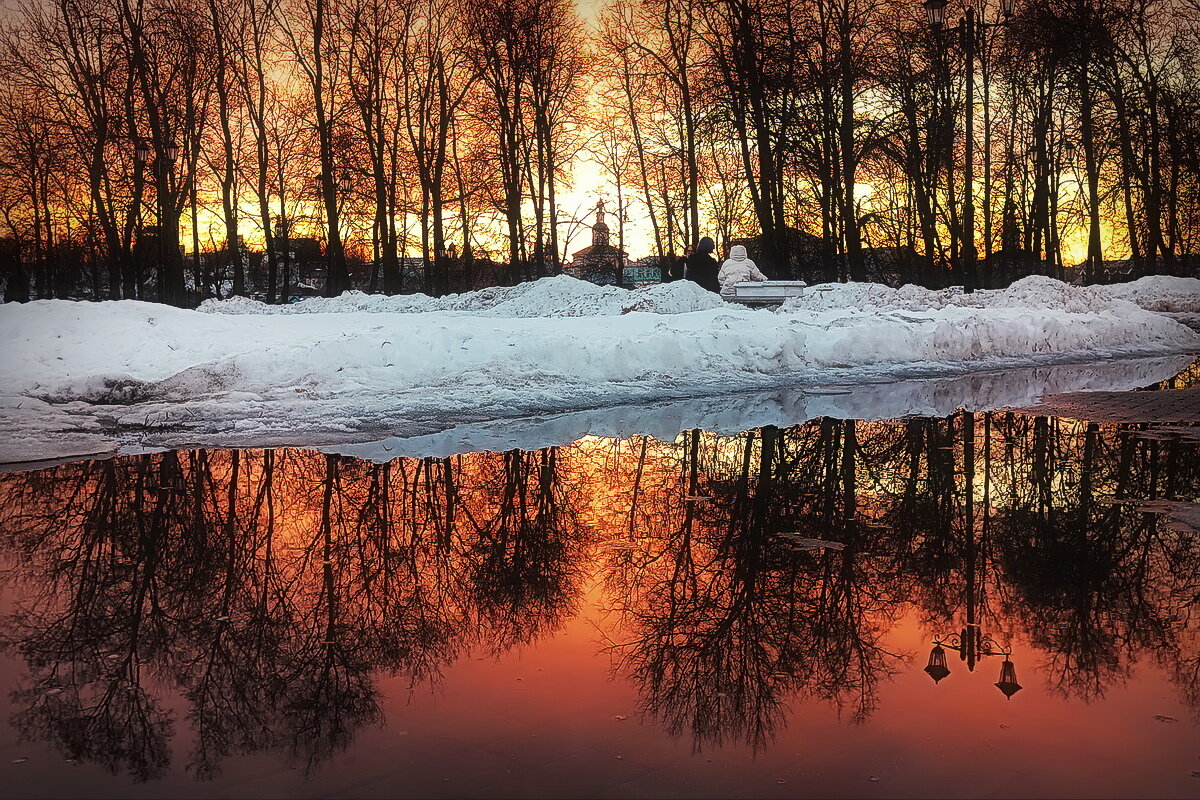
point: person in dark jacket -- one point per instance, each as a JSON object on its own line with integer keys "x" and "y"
{"x": 702, "y": 267}
{"x": 673, "y": 268}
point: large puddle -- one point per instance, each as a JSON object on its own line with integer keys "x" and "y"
{"x": 746, "y": 614}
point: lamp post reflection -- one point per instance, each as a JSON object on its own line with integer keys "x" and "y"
{"x": 971, "y": 645}
{"x": 970, "y": 642}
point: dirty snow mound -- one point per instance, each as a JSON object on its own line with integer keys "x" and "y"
{"x": 677, "y": 297}
{"x": 560, "y": 296}
{"x": 1034, "y": 292}
{"x": 1159, "y": 293}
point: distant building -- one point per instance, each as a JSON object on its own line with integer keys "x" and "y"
{"x": 303, "y": 258}
{"x": 601, "y": 263}
{"x": 646, "y": 271}
{"x": 299, "y": 249}
{"x": 14, "y": 271}
{"x": 145, "y": 247}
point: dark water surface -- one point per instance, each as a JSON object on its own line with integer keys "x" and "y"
{"x": 617, "y": 618}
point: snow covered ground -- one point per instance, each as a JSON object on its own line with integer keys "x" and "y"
{"x": 80, "y": 378}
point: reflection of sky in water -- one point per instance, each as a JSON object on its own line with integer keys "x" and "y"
{"x": 611, "y": 617}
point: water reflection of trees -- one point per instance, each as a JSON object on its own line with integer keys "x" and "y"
{"x": 525, "y": 561}
{"x": 1098, "y": 580}
{"x": 268, "y": 588}
{"x": 999, "y": 519}
{"x": 726, "y": 621}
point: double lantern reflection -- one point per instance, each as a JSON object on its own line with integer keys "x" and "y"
{"x": 971, "y": 644}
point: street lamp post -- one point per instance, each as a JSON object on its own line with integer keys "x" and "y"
{"x": 970, "y": 652}
{"x": 935, "y": 11}
{"x": 1067, "y": 164}
{"x": 283, "y": 253}
{"x": 345, "y": 187}
{"x": 170, "y": 289}
{"x": 332, "y": 234}
{"x": 331, "y": 192}
{"x": 972, "y": 644}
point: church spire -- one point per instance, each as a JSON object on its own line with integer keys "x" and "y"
{"x": 600, "y": 229}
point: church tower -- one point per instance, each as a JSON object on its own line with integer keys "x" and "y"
{"x": 600, "y": 229}
{"x": 600, "y": 262}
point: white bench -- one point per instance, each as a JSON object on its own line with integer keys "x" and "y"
{"x": 763, "y": 293}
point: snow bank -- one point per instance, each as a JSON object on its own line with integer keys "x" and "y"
{"x": 1033, "y": 292}
{"x": 1033, "y": 317}
{"x": 533, "y": 342}
{"x": 546, "y": 347}
{"x": 35, "y": 430}
{"x": 1158, "y": 293}
{"x": 560, "y": 296}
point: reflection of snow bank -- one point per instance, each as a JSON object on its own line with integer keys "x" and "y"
{"x": 1183, "y": 518}
{"x": 550, "y": 346}
{"x": 68, "y": 430}
{"x": 34, "y": 430}
{"x": 731, "y": 414}
{"x": 1158, "y": 293}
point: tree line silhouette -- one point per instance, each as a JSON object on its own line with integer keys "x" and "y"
{"x": 426, "y": 145}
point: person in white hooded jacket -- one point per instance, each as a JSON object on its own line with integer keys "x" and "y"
{"x": 737, "y": 268}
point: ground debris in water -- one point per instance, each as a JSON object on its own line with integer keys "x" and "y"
{"x": 800, "y": 542}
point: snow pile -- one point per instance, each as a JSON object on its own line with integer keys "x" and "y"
{"x": 550, "y": 346}
{"x": 1035, "y": 291}
{"x": 560, "y": 296}
{"x": 535, "y": 345}
{"x": 1158, "y": 293}
{"x": 1035, "y": 316}
{"x": 564, "y": 296}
